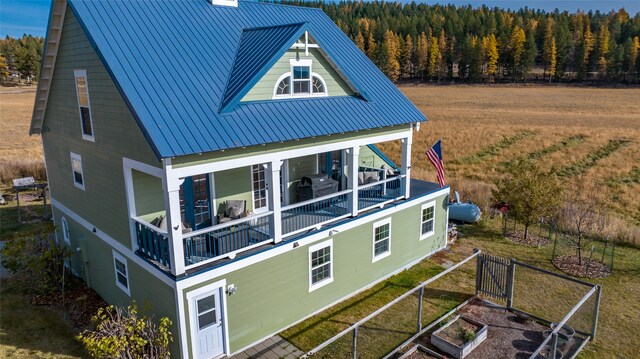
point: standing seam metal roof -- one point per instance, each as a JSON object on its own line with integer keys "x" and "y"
{"x": 173, "y": 63}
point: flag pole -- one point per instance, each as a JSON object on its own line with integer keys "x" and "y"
{"x": 424, "y": 154}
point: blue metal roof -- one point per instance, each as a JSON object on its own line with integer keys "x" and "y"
{"x": 258, "y": 50}
{"x": 173, "y": 61}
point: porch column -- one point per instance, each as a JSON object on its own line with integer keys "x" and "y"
{"x": 171, "y": 187}
{"x": 273, "y": 184}
{"x": 406, "y": 164}
{"x": 354, "y": 164}
{"x": 174, "y": 230}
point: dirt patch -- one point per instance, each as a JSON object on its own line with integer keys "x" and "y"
{"x": 589, "y": 268}
{"x": 80, "y": 303}
{"x": 533, "y": 240}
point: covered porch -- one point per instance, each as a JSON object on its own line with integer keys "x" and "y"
{"x": 239, "y": 207}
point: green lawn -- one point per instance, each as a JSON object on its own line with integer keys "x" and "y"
{"x": 543, "y": 295}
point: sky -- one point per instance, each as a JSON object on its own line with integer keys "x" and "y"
{"x": 18, "y": 17}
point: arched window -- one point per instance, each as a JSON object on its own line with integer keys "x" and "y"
{"x": 317, "y": 85}
{"x": 304, "y": 85}
{"x": 65, "y": 231}
{"x": 283, "y": 87}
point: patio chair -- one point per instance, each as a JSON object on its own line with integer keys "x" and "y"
{"x": 234, "y": 209}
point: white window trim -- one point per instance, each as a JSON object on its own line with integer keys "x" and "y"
{"x": 299, "y": 62}
{"x": 373, "y": 240}
{"x": 65, "y": 231}
{"x": 253, "y": 191}
{"x": 316, "y": 247}
{"x": 123, "y": 260}
{"x": 77, "y": 157}
{"x": 433, "y": 228}
{"x": 83, "y": 73}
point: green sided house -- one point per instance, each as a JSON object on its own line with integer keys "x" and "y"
{"x": 215, "y": 161}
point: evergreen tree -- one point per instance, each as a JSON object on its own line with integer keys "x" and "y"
{"x": 516, "y": 46}
{"x": 552, "y": 59}
{"x": 434, "y": 55}
{"x": 392, "y": 46}
{"x": 371, "y": 46}
{"x": 422, "y": 54}
{"x": 359, "y": 41}
{"x": 492, "y": 57}
{"x": 546, "y": 48}
{"x": 530, "y": 52}
{"x": 603, "y": 50}
{"x": 408, "y": 56}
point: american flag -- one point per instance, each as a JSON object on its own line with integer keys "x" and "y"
{"x": 435, "y": 157}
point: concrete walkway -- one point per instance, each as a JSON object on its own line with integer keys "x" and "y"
{"x": 272, "y": 348}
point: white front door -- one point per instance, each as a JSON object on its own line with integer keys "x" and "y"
{"x": 207, "y": 324}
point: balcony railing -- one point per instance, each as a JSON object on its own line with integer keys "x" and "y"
{"x": 226, "y": 240}
{"x": 153, "y": 242}
{"x": 379, "y": 193}
{"x": 303, "y": 216}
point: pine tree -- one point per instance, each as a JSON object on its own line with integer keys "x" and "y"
{"x": 371, "y": 47}
{"x": 392, "y": 66}
{"x": 552, "y": 59}
{"x": 492, "y": 57}
{"x": 516, "y": 46}
{"x": 434, "y": 54}
{"x": 422, "y": 53}
{"x": 442, "y": 49}
{"x": 635, "y": 61}
{"x": 603, "y": 50}
{"x": 546, "y": 47}
{"x": 530, "y": 51}
{"x": 408, "y": 58}
{"x": 359, "y": 40}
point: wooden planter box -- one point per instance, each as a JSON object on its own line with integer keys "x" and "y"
{"x": 458, "y": 347}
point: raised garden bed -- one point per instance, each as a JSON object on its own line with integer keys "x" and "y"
{"x": 460, "y": 336}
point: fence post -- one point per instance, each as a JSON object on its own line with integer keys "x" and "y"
{"x": 613, "y": 249}
{"x": 478, "y": 272}
{"x": 606, "y": 242}
{"x": 554, "y": 345}
{"x": 355, "y": 342}
{"x": 420, "y": 309}
{"x": 596, "y": 310}
{"x": 511, "y": 282}
{"x": 504, "y": 225}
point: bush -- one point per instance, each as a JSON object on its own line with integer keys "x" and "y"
{"x": 40, "y": 256}
{"x": 121, "y": 333}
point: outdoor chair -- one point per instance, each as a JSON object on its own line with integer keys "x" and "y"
{"x": 234, "y": 209}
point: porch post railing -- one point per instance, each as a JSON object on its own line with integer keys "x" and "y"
{"x": 273, "y": 184}
{"x": 406, "y": 164}
{"x": 354, "y": 163}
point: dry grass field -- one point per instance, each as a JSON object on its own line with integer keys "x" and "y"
{"x": 590, "y": 131}
{"x": 20, "y": 154}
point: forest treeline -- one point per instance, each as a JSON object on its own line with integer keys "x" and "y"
{"x": 20, "y": 58}
{"x": 455, "y": 43}
{"x": 462, "y": 43}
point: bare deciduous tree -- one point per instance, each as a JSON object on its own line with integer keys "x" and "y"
{"x": 582, "y": 214}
